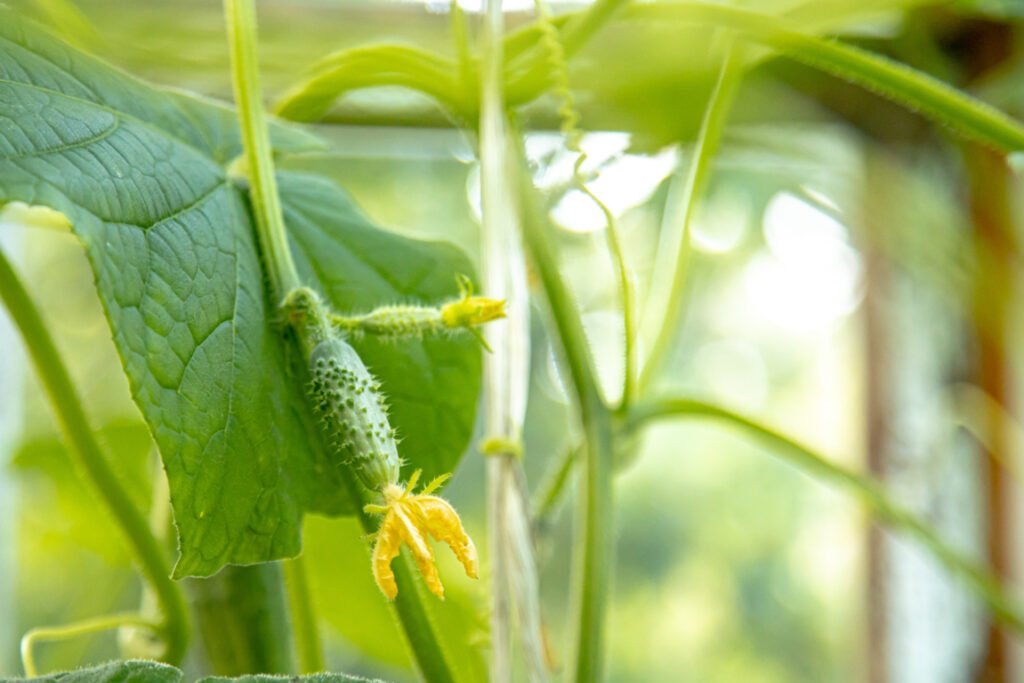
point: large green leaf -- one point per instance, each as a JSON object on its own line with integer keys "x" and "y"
{"x": 135, "y": 671}
{"x": 140, "y": 173}
{"x": 112, "y": 672}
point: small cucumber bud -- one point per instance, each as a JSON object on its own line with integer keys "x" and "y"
{"x": 396, "y": 321}
{"x": 393, "y": 322}
{"x": 349, "y": 401}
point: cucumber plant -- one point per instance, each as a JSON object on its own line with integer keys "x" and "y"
{"x": 290, "y": 357}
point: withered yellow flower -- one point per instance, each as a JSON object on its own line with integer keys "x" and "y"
{"x": 409, "y": 518}
{"x": 471, "y": 310}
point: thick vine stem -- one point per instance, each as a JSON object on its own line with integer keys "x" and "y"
{"x": 570, "y": 117}
{"x": 593, "y": 552}
{"x": 174, "y": 628}
{"x": 308, "y": 648}
{"x": 242, "y": 619}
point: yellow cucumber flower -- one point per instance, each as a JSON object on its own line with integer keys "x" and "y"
{"x": 409, "y": 518}
{"x": 470, "y": 310}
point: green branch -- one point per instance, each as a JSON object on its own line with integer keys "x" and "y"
{"x": 528, "y": 74}
{"x": 555, "y": 52}
{"x": 594, "y": 550}
{"x": 976, "y": 577}
{"x": 670, "y": 314}
{"x": 174, "y": 628}
{"x": 451, "y": 84}
{"x": 76, "y": 630}
{"x": 245, "y": 77}
{"x": 372, "y": 66}
{"x": 913, "y": 89}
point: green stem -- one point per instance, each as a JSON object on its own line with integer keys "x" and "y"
{"x": 420, "y": 632}
{"x": 976, "y": 577}
{"x": 243, "y": 619}
{"x": 245, "y": 77}
{"x": 549, "y": 492}
{"x": 593, "y": 550}
{"x": 409, "y": 605}
{"x": 377, "y": 65}
{"x": 304, "y": 618}
{"x": 467, "y": 80}
{"x": 528, "y": 74}
{"x": 241, "y": 18}
{"x": 174, "y": 628}
{"x": 670, "y": 315}
{"x": 897, "y": 82}
{"x": 556, "y": 57}
{"x": 81, "y": 628}
{"x": 626, "y": 292}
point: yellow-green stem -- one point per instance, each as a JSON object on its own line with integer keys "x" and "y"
{"x": 669, "y": 317}
{"x": 242, "y": 41}
{"x": 593, "y": 556}
{"x": 78, "y": 629}
{"x": 305, "y": 624}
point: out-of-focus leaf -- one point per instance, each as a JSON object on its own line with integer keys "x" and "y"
{"x": 114, "y": 672}
{"x": 314, "y": 678}
{"x": 128, "y": 445}
{"x": 137, "y": 671}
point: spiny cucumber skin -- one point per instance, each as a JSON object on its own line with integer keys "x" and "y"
{"x": 354, "y": 413}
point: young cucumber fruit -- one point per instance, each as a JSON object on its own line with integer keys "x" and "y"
{"x": 354, "y": 412}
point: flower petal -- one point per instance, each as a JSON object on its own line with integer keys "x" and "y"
{"x": 443, "y": 523}
{"x": 410, "y": 526}
{"x": 385, "y": 549}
